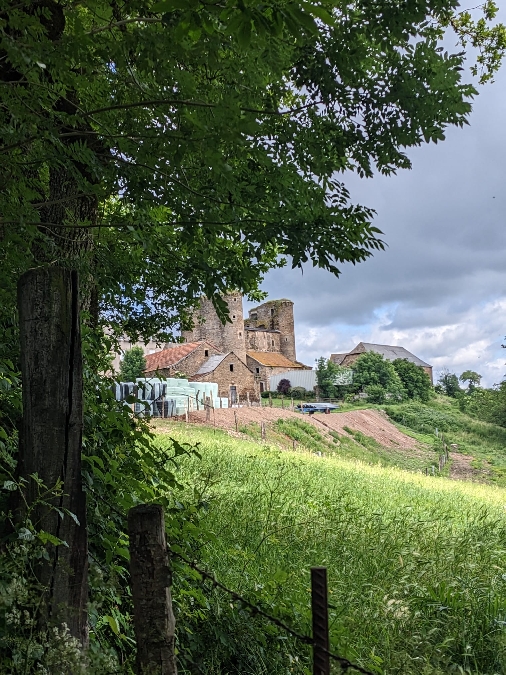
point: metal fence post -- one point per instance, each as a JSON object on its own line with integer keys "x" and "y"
{"x": 319, "y": 609}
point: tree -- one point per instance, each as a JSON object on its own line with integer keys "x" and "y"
{"x": 145, "y": 146}
{"x": 415, "y": 380}
{"x": 283, "y": 386}
{"x": 448, "y": 384}
{"x": 328, "y": 377}
{"x": 133, "y": 365}
{"x": 472, "y": 377}
{"x": 371, "y": 369}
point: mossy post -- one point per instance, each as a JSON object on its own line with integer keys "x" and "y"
{"x": 51, "y": 370}
{"x": 154, "y": 621}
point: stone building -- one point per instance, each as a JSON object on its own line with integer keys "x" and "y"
{"x": 182, "y": 358}
{"x": 265, "y": 364}
{"x": 389, "y": 352}
{"x": 272, "y": 321}
{"x": 235, "y": 380}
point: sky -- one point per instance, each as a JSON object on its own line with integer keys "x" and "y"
{"x": 439, "y": 288}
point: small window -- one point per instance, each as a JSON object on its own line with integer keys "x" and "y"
{"x": 235, "y": 299}
{"x": 258, "y": 370}
{"x": 231, "y": 367}
{"x": 272, "y": 342}
{"x": 272, "y": 311}
{"x": 206, "y": 352}
{"x": 286, "y": 339}
{"x": 233, "y": 316}
{"x": 240, "y": 334}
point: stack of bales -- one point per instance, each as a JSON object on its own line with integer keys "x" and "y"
{"x": 179, "y": 395}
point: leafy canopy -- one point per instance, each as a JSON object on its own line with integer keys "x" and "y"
{"x": 415, "y": 381}
{"x": 448, "y": 384}
{"x": 172, "y": 148}
{"x": 371, "y": 369}
{"x": 132, "y": 365}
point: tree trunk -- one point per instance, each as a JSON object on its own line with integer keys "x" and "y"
{"x": 149, "y": 569}
{"x": 51, "y": 437}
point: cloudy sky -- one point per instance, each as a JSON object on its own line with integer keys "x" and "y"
{"x": 439, "y": 289}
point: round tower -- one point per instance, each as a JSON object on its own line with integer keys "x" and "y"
{"x": 277, "y": 315}
{"x": 208, "y": 326}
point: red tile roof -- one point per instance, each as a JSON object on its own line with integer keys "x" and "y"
{"x": 169, "y": 357}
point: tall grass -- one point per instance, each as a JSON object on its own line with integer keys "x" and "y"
{"x": 417, "y": 565}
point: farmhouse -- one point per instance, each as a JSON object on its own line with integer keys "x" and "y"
{"x": 389, "y": 352}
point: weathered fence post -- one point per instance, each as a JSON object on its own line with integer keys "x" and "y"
{"x": 319, "y": 609}
{"x": 154, "y": 622}
{"x": 208, "y": 408}
{"x": 282, "y": 401}
{"x": 262, "y": 430}
{"x": 247, "y": 400}
{"x": 270, "y": 400}
{"x": 235, "y": 415}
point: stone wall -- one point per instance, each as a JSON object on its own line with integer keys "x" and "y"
{"x": 240, "y": 377}
{"x": 263, "y": 340}
{"x": 276, "y": 315}
{"x": 263, "y": 373}
{"x": 229, "y": 337}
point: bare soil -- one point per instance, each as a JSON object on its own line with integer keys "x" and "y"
{"x": 369, "y": 422}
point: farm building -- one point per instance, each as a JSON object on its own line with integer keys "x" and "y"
{"x": 389, "y": 352}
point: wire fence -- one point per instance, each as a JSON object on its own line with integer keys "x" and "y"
{"x": 319, "y": 641}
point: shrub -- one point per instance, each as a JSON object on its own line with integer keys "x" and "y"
{"x": 422, "y": 418}
{"x": 283, "y": 386}
{"x": 415, "y": 380}
{"x": 375, "y": 393}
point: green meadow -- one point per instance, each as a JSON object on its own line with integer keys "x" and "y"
{"x": 416, "y": 564}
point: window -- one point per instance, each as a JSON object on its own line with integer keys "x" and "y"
{"x": 240, "y": 334}
{"x": 254, "y": 316}
{"x": 272, "y": 342}
{"x": 286, "y": 339}
{"x": 206, "y": 352}
{"x": 258, "y": 371}
{"x": 272, "y": 311}
{"x": 231, "y": 367}
{"x": 235, "y": 299}
{"x": 233, "y": 316}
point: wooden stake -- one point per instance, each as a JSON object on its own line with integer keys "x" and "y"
{"x": 319, "y": 609}
{"x": 154, "y": 622}
{"x": 235, "y": 415}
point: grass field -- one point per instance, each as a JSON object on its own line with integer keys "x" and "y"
{"x": 417, "y": 565}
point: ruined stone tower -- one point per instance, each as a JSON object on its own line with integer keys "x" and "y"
{"x": 276, "y": 315}
{"x": 228, "y": 337}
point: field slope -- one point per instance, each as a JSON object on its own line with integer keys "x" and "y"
{"x": 417, "y": 565}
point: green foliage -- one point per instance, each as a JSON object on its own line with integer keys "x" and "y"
{"x": 327, "y": 374}
{"x": 371, "y": 369}
{"x": 133, "y": 365}
{"x": 415, "y": 381}
{"x": 472, "y": 377}
{"x": 486, "y": 404}
{"x": 448, "y": 384}
{"x": 375, "y": 393}
{"x": 423, "y": 418}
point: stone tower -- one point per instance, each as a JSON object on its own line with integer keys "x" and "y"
{"x": 277, "y": 315}
{"x": 228, "y": 337}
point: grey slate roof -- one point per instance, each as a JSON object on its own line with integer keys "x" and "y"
{"x": 391, "y": 353}
{"x": 211, "y": 364}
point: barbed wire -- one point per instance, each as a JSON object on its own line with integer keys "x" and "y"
{"x": 344, "y": 663}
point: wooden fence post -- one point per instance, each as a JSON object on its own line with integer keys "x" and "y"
{"x": 262, "y": 430}
{"x": 270, "y": 400}
{"x": 208, "y": 408}
{"x": 320, "y": 612}
{"x": 154, "y": 622}
{"x": 235, "y": 415}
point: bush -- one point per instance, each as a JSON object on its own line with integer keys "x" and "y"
{"x": 375, "y": 393}
{"x": 371, "y": 369}
{"x": 415, "y": 380}
{"x": 284, "y": 386}
{"x": 422, "y": 418}
{"x": 133, "y": 365}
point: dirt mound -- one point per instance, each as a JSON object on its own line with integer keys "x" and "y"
{"x": 369, "y": 422}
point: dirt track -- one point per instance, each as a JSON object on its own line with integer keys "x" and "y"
{"x": 369, "y": 422}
